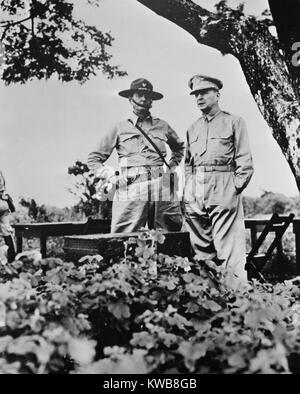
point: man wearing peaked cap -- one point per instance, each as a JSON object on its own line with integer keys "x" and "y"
{"x": 218, "y": 167}
{"x": 202, "y": 82}
{"x": 142, "y": 192}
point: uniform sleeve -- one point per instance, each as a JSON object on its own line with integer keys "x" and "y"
{"x": 243, "y": 158}
{"x": 188, "y": 168}
{"x": 176, "y": 146}
{"x": 103, "y": 150}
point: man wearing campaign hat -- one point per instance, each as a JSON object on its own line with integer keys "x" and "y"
{"x": 218, "y": 167}
{"x": 140, "y": 198}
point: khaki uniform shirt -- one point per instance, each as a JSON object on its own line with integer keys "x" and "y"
{"x": 220, "y": 140}
{"x": 133, "y": 148}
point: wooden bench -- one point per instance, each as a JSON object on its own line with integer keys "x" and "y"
{"x": 45, "y": 230}
{"x": 111, "y": 246}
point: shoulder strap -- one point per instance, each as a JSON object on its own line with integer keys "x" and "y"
{"x": 151, "y": 142}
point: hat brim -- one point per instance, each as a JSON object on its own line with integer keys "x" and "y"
{"x": 129, "y": 92}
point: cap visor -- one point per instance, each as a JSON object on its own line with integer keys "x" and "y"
{"x": 202, "y": 90}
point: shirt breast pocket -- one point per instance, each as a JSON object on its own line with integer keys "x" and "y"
{"x": 129, "y": 143}
{"x": 159, "y": 139}
{"x": 221, "y": 144}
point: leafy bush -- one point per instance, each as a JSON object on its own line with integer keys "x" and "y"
{"x": 85, "y": 190}
{"x": 147, "y": 313}
{"x": 269, "y": 203}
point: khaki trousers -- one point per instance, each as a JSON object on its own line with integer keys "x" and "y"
{"x": 145, "y": 204}
{"x": 214, "y": 217}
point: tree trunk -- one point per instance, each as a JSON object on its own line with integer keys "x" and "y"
{"x": 274, "y": 88}
{"x": 286, "y": 17}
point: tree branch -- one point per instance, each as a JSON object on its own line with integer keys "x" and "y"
{"x": 261, "y": 59}
{"x": 9, "y": 24}
{"x": 192, "y": 18}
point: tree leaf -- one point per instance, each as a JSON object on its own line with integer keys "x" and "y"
{"x": 192, "y": 352}
{"x": 82, "y": 350}
{"x": 211, "y": 305}
{"x": 119, "y": 310}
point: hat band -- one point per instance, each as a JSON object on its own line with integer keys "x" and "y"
{"x": 144, "y": 89}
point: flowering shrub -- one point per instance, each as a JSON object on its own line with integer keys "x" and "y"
{"x": 147, "y": 313}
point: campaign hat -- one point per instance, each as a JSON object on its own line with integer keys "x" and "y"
{"x": 141, "y": 85}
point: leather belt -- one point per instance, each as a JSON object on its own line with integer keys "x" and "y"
{"x": 213, "y": 168}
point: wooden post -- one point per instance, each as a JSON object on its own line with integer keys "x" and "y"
{"x": 298, "y": 253}
{"x": 296, "y": 229}
{"x": 19, "y": 239}
{"x": 253, "y": 231}
{"x": 43, "y": 244}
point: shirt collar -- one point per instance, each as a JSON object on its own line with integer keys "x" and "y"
{"x": 208, "y": 118}
{"x": 134, "y": 118}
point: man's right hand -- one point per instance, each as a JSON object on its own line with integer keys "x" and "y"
{"x": 105, "y": 172}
